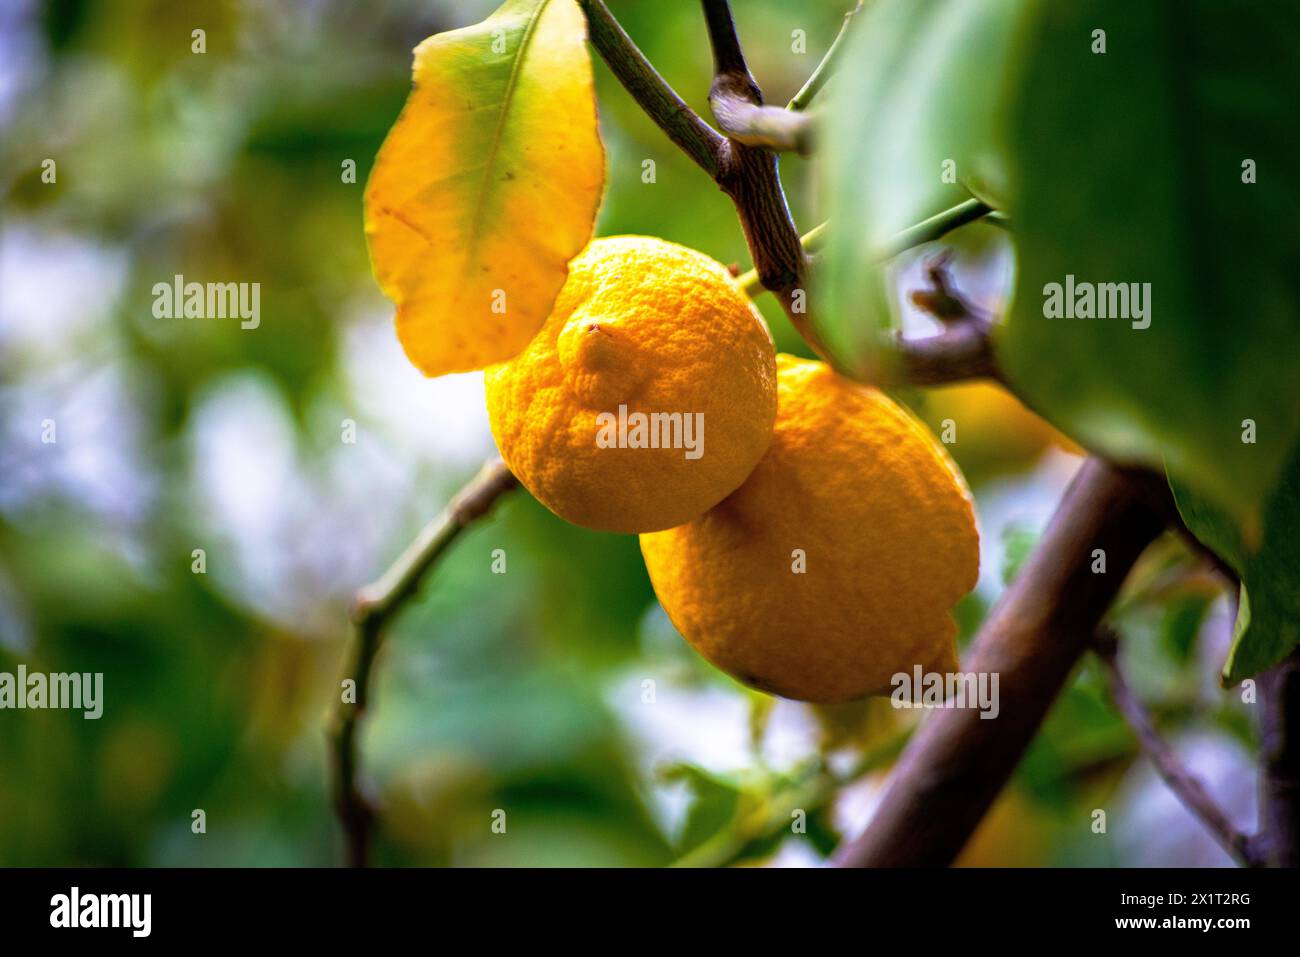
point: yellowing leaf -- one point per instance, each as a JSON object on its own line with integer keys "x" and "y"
{"x": 487, "y": 184}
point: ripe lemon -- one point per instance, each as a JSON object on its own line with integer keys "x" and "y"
{"x": 648, "y": 395}
{"x": 837, "y": 563}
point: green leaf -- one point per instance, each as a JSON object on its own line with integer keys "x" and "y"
{"x": 1268, "y": 612}
{"x": 1181, "y": 623}
{"x": 1117, "y": 167}
{"x": 715, "y": 801}
{"x": 822, "y": 834}
{"x": 918, "y": 88}
{"x": 1018, "y": 542}
{"x": 1128, "y": 168}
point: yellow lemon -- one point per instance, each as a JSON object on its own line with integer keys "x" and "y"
{"x": 648, "y": 395}
{"x": 837, "y": 563}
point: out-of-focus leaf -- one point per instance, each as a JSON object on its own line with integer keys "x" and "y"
{"x": 1181, "y": 624}
{"x": 1018, "y": 543}
{"x": 822, "y": 833}
{"x": 1268, "y": 608}
{"x": 714, "y": 803}
{"x": 1082, "y": 735}
{"x": 487, "y": 185}
{"x": 913, "y": 130}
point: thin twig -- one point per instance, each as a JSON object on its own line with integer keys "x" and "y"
{"x": 963, "y": 350}
{"x": 374, "y": 606}
{"x": 936, "y": 227}
{"x": 1186, "y": 786}
{"x": 941, "y": 300}
{"x": 826, "y": 67}
{"x": 926, "y": 231}
{"x": 724, "y": 41}
{"x": 651, "y": 91}
{"x": 746, "y": 174}
{"x": 749, "y": 176}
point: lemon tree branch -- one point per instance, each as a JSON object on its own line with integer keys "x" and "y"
{"x": 963, "y": 350}
{"x": 651, "y": 91}
{"x": 749, "y": 175}
{"x": 926, "y": 231}
{"x": 756, "y": 125}
{"x": 737, "y": 101}
{"x": 1280, "y": 753}
{"x": 374, "y": 606}
{"x": 957, "y": 763}
{"x": 1185, "y": 786}
{"x": 811, "y": 241}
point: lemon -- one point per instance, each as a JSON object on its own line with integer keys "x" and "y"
{"x": 648, "y": 395}
{"x": 837, "y": 563}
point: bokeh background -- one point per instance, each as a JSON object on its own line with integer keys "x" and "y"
{"x": 527, "y": 691}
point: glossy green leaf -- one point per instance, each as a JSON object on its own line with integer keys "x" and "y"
{"x": 1128, "y": 168}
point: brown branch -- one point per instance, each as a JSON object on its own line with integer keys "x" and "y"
{"x": 958, "y": 762}
{"x": 728, "y": 57}
{"x": 964, "y": 350}
{"x": 1280, "y": 763}
{"x": 374, "y": 606}
{"x": 961, "y": 352}
{"x": 1186, "y": 786}
{"x": 811, "y": 241}
{"x": 650, "y": 90}
{"x": 749, "y": 175}
{"x": 767, "y": 126}
{"x": 735, "y": 97}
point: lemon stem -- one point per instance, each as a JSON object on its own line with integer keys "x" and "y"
{"x": 826, "y": 67}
